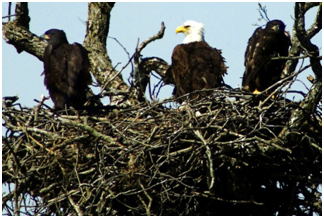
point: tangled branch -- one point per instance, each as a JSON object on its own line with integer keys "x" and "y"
{"x": 152, "y": 160}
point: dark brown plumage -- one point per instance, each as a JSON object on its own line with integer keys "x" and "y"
{"x": 195, "y": 65}
{"x": 66, "y": 69}
{"x": 260, "y": 71}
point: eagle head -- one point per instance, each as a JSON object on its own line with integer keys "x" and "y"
{"x": 55, "y": 37}
{"x": 193, "y": 30}
{"x": 276, "y": 25}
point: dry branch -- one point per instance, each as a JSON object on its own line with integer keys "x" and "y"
{"x": 299, "y": 33}
{"x": 95, "y": 42}
{"x": 151, "y": 160}
{"x": 313, "y": 97}
{"x": 141, "y": 73}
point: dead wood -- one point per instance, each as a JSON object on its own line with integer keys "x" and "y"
{"x": 219, "y": 156}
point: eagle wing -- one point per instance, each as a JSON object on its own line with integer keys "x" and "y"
{"x": 67, "y": 74}
{"x": 260, "y": 71}
{"x": 255, "y": 57}
{"x": 78, "y": 75}
{"x": 177, "y": 69}
{"x": 55, "y": 68}
{"x": 196, "y": 66}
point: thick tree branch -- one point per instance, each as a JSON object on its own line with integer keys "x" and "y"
{"x": 95, "y": 43}
{"x": 155, "y": 64}
{"x": 293, "y": 52}
{"x": 317, "y": 25}
{"x": 17, "y": 33}
{"x": 308, "y": 105}
{"x": 310, "y": 5}
{"x": 305, "y": 42}
{"x": 22, "y": 14}
{"x": 296, "y": 48}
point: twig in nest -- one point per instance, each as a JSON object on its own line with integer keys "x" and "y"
{"x": 174, "y": 157}
{"x": 9, "y": 100}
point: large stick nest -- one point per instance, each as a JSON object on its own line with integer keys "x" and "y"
{"x": 220, "y": 155}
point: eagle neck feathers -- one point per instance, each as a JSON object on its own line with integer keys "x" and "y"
{"x": 194, "y": 38}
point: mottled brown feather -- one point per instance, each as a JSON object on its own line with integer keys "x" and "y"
{"x": 260, "y": 71}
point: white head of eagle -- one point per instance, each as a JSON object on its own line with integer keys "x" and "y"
{"x": 195, "y": 64}
{"x": 193, "y": 30}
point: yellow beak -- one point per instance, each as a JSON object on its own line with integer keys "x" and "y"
{"x": 182, "y": 29}
{"x": 276, "y": 28}
{"x": 46, "y": 37}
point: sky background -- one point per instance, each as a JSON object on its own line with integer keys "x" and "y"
{"x": 228, "y": 26}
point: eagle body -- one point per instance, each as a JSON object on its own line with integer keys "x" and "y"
{"x": 260, "y": 71}
{"x": 66, "y": 69}
{"x": 195, "y": 64}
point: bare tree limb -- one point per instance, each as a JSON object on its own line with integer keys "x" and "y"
{"x": 302, "y": 36}
{"x": 263, "y": 13}
{"x": 95, "y": 43}
{"x": 310, "y": 5}
{"x": 9, "y": 11}
{"x": 308, "y": 105}
{"x": 17, "y": 33}
{"x": 22, "y": 14}
{"x": 296, "y": 48}
{"x": 140, "y": 75}
{"x": 317, "y": 25}
{"x": 159, "y": 35}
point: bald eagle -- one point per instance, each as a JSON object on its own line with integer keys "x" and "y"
{"x": 66, "y": 69}
{"x": 195, "y": 65}
{"x": 260, "y": 71}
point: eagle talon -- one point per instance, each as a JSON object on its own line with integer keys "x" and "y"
{"x": 256, "y": 92}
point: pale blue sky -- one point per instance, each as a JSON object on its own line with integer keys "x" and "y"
{"x": 228, "y": 26}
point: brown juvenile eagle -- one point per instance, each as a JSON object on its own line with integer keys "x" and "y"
{"x": 66, "y": 69}
{"x": 260, "y": 71}
{"x": 195, "y": 65}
